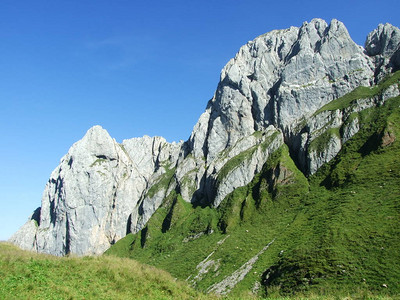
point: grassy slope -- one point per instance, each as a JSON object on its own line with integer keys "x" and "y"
{"x": 348, "y": 228}
{"x": 26, "y": 275}
{"x": 336, "y": 232}
{"x": 361, "y": 92}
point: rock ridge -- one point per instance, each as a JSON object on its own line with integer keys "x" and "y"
{"x": 271, "y": 93}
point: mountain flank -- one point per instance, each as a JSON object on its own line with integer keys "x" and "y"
{"x": 289, "y": 182}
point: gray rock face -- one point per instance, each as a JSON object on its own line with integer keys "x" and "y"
{"x": 238, "y": 164}
{"x": 322, "y": 137}
{"x": 268, "y": 95}
{"x": 89, "y": 197}
{"x": 383, "y": 45}
{"x": 25, "y": 237}
{"x": 383, "y": 41}
{"x": 277, "y": 79}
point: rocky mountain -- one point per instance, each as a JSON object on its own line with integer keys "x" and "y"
{"x": 298, "y": 87}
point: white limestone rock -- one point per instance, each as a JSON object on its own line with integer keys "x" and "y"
{"x": 318, "y": 157}
{"x": 390, "y": 92}
{"x": 267, "y": 95}
{"x": 340, "y": 125}
{"x": 239, "y": 167}
{"x": 350, "y": 129}
{"x": 25, "y": 237}
{"x": 383, "y": 45}
{"x": 88, "y": 200}
{"x": 279, "y": 78}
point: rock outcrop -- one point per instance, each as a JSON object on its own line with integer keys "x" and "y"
{"x": 383, "y": 45}
{"x": 277, "y": 79}
{"x": 273, "y": 92}
{"x": 89, "y": 197}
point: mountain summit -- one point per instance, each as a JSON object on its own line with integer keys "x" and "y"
{"x": 275, "y": 92}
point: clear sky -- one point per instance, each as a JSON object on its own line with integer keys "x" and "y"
{"x": 134, "y": 67}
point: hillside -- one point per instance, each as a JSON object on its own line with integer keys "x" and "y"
{"x": 270, "y": 94}
{"x": 26, "y": 275}
{"x": 288, "y": 185}
{"x": 334, "y": 233}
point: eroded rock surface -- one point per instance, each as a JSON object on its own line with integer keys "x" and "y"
{"x": 90, "y": 196}
{"x": 268, "y": 95}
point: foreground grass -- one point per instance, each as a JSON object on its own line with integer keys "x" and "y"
{"x": 27, "y": 275}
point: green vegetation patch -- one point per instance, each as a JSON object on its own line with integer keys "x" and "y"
{"x": 350, "y": 219}
{"x": 188, "y": 181}
{"x": 98, "y": 161}
{"x": 179, "y": 236}
{"x": 320, "y": 143}
{"x": 361, "y": 93}
{"x": 336, "y": 234}
{"x": 163, "y": 182}
{"x": 26, "y": 275}
{"x": 235, "y": 161}
{"x": 176, "y": 230}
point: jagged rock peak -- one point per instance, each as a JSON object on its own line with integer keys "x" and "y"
{"x": 89, "y": 197}
{"x": 96, "y": 129}
{"x": 279, "y": 78}
{"x": 102, "y": 190}
{"x": 383, "y": 45}
{"x": 97, "y": 133}
{"x": 96, "y": 141}
{"x": 384, "y": 40}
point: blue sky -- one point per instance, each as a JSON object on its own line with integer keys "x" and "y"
{"x": 134, "y": 67}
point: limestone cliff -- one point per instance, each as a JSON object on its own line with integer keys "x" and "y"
{"x": 89, "y": 197}
{"x": 273, "y": 92}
